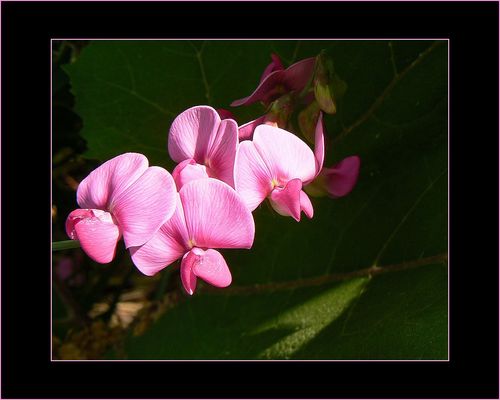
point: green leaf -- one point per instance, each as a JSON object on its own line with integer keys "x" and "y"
{"x": 393, "y": 115}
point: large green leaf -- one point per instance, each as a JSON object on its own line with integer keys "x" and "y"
{"x": 393, "y": 114}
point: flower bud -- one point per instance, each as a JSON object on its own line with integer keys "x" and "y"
{"x": 327, "y": 85}
{"x": 308, "y": 119}
{"x": 280, "y": 111}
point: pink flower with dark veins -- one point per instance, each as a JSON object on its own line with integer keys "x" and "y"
{"x": 209, "y": 215}
{"x": 276, "y": 165}
{"x": 122, "y": 197}
{"x": 276, "y": 81}
{"x": 200, "y": 135}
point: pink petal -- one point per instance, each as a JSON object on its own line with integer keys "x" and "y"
{"x": 212, "y": 268}
{"x": 306, "y": 205}
{"x": 208, "y": 265}
{"x": 191, "y": 133}
{"x": 298, "y": 75}
{"x": 144, "y": 206}
{"x": 215, "y": 215}
{"x": 245, "y": 131}
{"x": 96, "y": 231}
{"x": 319, "y": 144}
{"x": 342, "y": 177}
{"x": 110, "y": 179}
{"x": 286, "y": 201}
{"x": 188, "y": 171}
{"x": 276, "y": 65}
{"x": 286, "y": 156}
{"x": 222, "y": 152}
{"x": 188, "y": 277}
{"x": 166, "y": 245}
{"x": 252, "y": 178}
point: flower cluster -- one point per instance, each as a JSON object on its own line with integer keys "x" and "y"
{"x": 224, "y": 172}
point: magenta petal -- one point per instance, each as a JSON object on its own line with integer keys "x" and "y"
{"x": 276, "y": 65}
{"x": 110, "y": 179}
{"x": 298, "y": 75}
{"x": 342, "y": 177}
{"x": 97, "y": 233}
{"x": 212, "y": 268}
{"x": 188, "y": 171}
{"x": 225, "y": 114}
{"x": 306, "y": 205}
{"x": 286, "y": 201}
{"x": 191, "y": 133}
{"x": 265, "y": 91}
{"x": 188, "y": 277}
{"x": 215, "y": 215}
{"x": 222, "y": 152}
{"x": 252, "y": 178}
{"x": 168, "y": 244}
{"x": 245, "y": 131}
{"x": 286, "y": 156}
{"x": 144, "y": 206}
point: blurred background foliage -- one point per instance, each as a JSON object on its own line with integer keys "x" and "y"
{"x": 366, "y": 278}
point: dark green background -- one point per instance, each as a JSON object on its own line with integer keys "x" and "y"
{"x": 393, "y": 115}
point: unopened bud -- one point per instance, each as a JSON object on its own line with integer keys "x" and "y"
{"x": 308, "y": 119}
{"x": 327, "y": 85}
{"x": 280, "y": 111}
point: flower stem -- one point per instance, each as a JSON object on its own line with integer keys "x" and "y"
{"x": 65, "y": 244}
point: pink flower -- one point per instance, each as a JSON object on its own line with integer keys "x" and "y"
{"x": 199, "y": 134}
{"x": 337, "y": 181}
{"x": 187, "y": 171}
{"x": 276, "y": 81}
{"x": 122, "y": 197}
{"x": 276, "y": 165}
{"x": 209, "y": 215}
{"x": 342, "y": 177}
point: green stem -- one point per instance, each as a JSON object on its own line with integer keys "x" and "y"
{"x": 65, "y": 244}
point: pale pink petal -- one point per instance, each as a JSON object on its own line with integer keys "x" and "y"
{"x": 297, "y": 75}
{"x": 306, "y": 205}
{"x": 188, "y": 171}
{"x": 191, "y": 133}
{"x": 168, "y": 244}
{"x": 286, "y": 201}
{"x": 276, "y": 65}
{"x": 96, "y": 231}
{"x": 342, "y": 177}
{"x": 188, "y": 277}
{"x": 110, "y": 179}
{"x": 245, "y": 131}
{"x": 252, "y": 178}
{"x": 222, "y": 152}
{"x": 319, "y": 144}
{"x": 212, "y": 268}
{"x": 144, "y": 206}
{"x": 286, "y": 156}
{"x": 215, "y": 215}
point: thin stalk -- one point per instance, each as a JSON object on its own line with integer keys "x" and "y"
{"x": 65, "y": 244}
